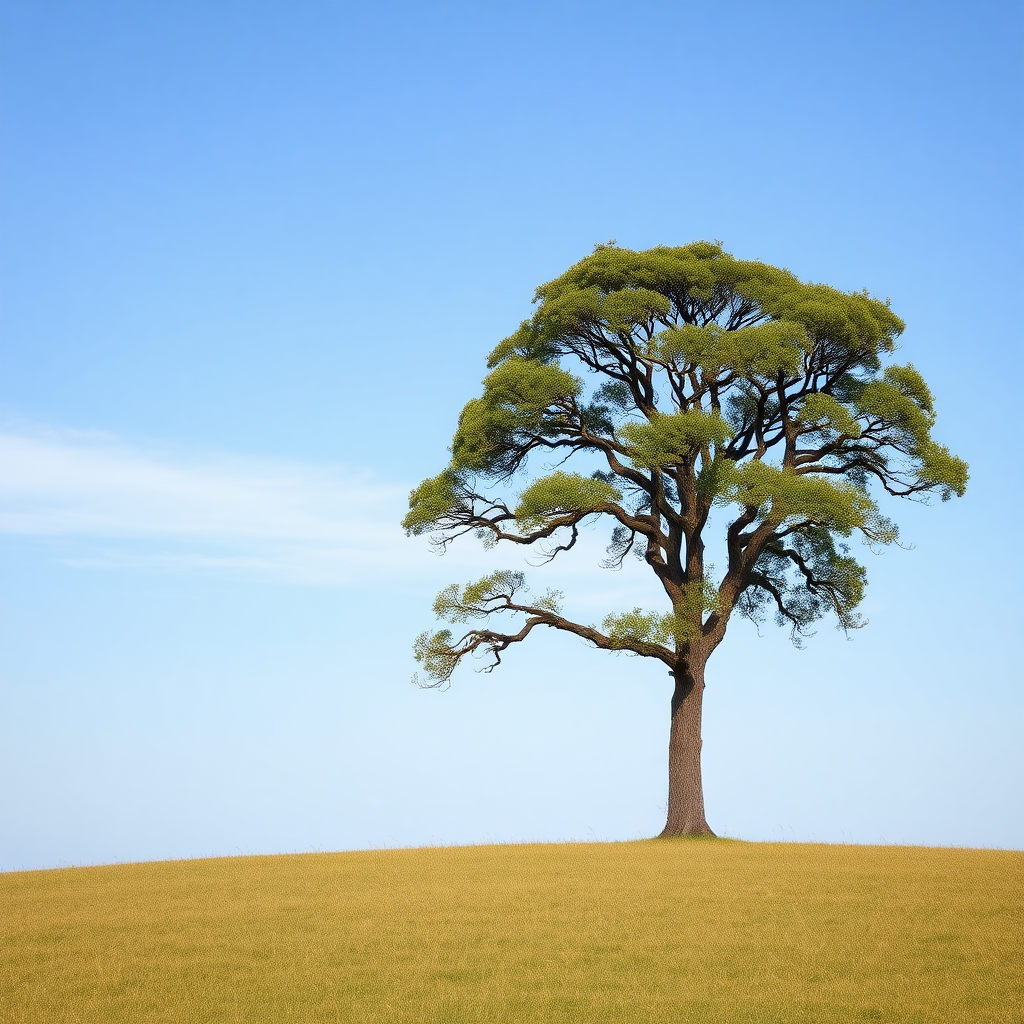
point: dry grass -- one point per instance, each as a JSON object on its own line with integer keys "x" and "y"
{"x": 647, "y": 931}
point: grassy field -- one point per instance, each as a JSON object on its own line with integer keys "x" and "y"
{"x": 678, "y": 931}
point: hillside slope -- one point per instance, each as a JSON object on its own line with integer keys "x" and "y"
{"x": 702, "y": 931}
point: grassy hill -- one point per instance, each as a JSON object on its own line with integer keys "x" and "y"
{"x": 679, "y": 931}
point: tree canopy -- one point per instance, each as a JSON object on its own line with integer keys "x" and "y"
{"x": 701, "y": 384}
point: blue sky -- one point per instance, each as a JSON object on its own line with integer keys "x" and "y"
{"x": 252, "y": 258}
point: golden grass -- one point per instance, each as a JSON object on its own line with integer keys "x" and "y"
{"x": 679, "y": 931}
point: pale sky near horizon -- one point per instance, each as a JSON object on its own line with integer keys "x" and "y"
{"x": 252, "y": 259}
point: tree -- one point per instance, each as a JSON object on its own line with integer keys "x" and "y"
{"x": 713, "y": 390}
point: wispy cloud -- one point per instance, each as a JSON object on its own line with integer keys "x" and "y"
{"x": 148, "y": 508}
{"x": 309, "y": 523}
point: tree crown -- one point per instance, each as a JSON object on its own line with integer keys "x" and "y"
{"x": 698, "y": 382}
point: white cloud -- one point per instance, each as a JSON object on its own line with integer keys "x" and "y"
{"x": 125, "y": 506}
{"x": 88, "y": 484}
{"x": 308, "y": 523}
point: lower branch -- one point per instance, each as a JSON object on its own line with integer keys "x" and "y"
{"x": 440, "y": 653}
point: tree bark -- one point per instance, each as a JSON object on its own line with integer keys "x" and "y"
{"x": 685, "y": 786}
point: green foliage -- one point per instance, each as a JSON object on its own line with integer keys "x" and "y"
{"x": 849, "y": 322}
{"x": 883, "y": 402}
{"x": 672, "y": 439}
{"x": 616, "y": 394}
{"x": 694, "y": 278}
{"x": 909, "y": 382}
{"x": 697, "y": 599}
{"x": 716, "y": 479}
{"x": 490, "y": 593}
{"x": 806, "y": 579}
{"x": 711, "y": 381}
{"x": 429, "y": 503}
{"x": 563, "y": 493}
{"x": 515, "y": 405}
{"x": 637, "y": 307}
{"x": 828, "y": 416}
{"x": 476, "y": 600}
{"x": 902, "y": 405}
{"x": 695, "y": 269}
{"x": 436, "y": 653}
{"x": 526, "y": 343}
{"x": 628, "y": 629}
{"x": 549, "y": 601}
{"x": 439, "y": 652}
{"x": 784, "y": 496}
{"x": 942, "y": 469}
{"x": 764, "y": 350}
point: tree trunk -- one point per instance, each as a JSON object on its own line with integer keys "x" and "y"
{"x": 685, "y": 787}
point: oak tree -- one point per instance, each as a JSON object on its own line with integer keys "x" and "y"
{"x": 712, "y": 392}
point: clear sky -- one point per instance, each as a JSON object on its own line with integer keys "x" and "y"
{"x": 253, "y": 257}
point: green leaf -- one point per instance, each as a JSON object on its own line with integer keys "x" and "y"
{"x": 672, "y": 439}
{"x": 475, "y": 600}
{"x": 764, "y": 350}
{"x": 783, "y": 495}
{"x": 828, "y": 416}
{"x": 431, "y": 502}
{"x": 562, "y": 494}
{"x": 516, "y": 396}
{"x": 434, "y": 651}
